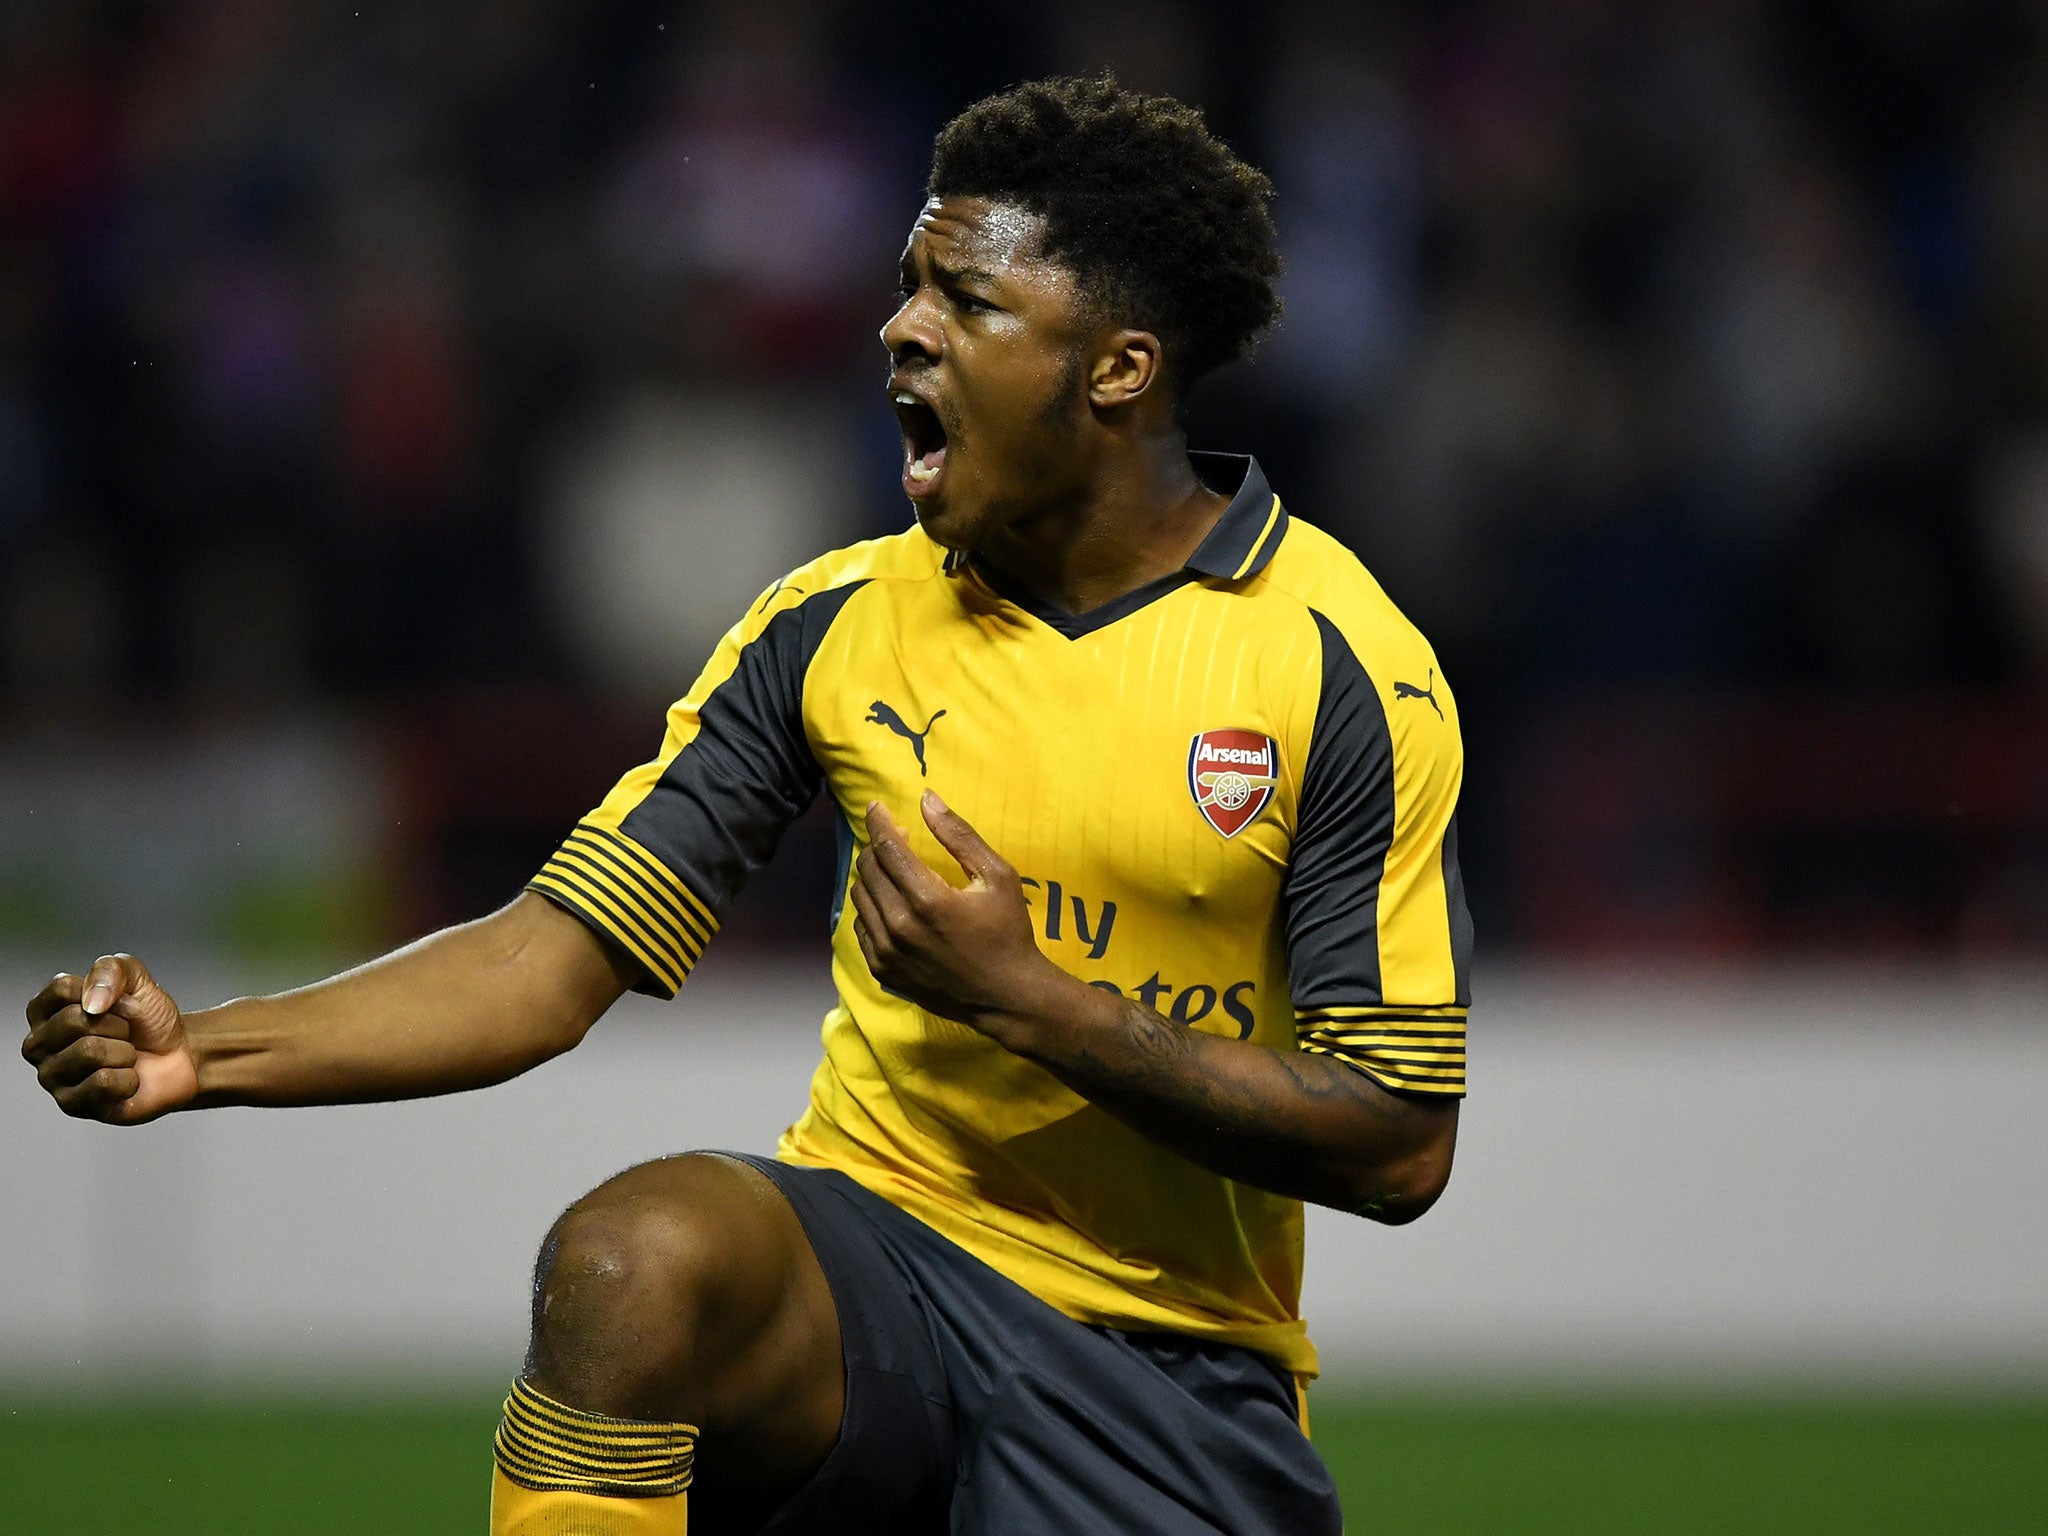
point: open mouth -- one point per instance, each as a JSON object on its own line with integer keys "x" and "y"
{"x": 924, "y": 442}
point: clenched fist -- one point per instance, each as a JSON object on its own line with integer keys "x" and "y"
{"x": 109, "y": 1045}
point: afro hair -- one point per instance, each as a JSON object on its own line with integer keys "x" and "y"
{"x": 1155, "y": 216}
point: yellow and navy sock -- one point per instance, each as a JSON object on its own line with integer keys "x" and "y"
{"x": 564, "y": 1472}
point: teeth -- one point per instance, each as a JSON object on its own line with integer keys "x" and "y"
{"x": 919, "y": 470}
{"x": 905, "y": 397}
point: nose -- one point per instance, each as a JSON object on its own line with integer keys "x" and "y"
{"x": 913, "y": 331}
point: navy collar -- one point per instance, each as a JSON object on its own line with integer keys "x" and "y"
{"x": 1238, "y": 547}
{"x": 1250, "y": 528}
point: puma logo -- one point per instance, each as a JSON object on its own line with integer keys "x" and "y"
{"x": 881, "y": 714}
{"x": 1410, "y": 691}
{"x": 776, "y": 591}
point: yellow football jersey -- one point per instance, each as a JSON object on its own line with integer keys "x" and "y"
{"x": 1230, "y": 795}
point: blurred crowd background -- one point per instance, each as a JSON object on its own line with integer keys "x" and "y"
{"x": 397, "y": 402}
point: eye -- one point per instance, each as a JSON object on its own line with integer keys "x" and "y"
{"x": 968, "y": 303}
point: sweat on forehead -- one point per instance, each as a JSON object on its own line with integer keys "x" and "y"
{"x": 985, "y": 231}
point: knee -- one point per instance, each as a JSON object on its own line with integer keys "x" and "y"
{"x": 607, "y": 1259}
{"x": 628, "y": 1280}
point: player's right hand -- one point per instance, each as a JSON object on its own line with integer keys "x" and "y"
{"x": 109, "y": 1045}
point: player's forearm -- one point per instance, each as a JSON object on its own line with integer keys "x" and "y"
{"x": 463, "y": 1008}
{"x": 1292, "y": 1123}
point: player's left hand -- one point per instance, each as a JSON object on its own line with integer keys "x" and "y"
{"x": 963, "y": 954}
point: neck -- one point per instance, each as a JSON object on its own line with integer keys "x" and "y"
{"x": 1138, "y": 518}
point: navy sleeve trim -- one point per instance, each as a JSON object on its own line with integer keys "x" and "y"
{"x": 626, "y": 896}
{"x": 1461, "y": 916}
{"x": 1344, "y": 827}
{"x": 721, "y": 806}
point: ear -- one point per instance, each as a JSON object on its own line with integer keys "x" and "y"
{"x": 1126, "y": 366}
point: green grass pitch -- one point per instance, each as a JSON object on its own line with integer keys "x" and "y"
{"x": 1434, "y": 1467}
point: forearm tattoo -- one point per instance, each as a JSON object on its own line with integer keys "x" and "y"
{"x": 1295, "y": 1124}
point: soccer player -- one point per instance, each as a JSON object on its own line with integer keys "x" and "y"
{"x": 1149, "y": 928}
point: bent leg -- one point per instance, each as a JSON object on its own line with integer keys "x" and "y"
{"x": 684, "y": 1293}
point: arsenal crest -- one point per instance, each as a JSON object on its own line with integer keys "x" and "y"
{"x": 1231, "y": 774}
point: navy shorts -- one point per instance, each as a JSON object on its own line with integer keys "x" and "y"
{"x": 975, "y": 1409}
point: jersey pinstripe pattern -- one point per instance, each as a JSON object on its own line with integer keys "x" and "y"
{"x": 1332, "y": 920}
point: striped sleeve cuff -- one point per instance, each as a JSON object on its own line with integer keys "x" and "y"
{"x": 1410, "y": 1049}
{"x": 632, "y": 898}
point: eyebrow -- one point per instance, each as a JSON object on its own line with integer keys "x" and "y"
{"x": 956, "y": 274}
{"x": 948, "y": 274}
